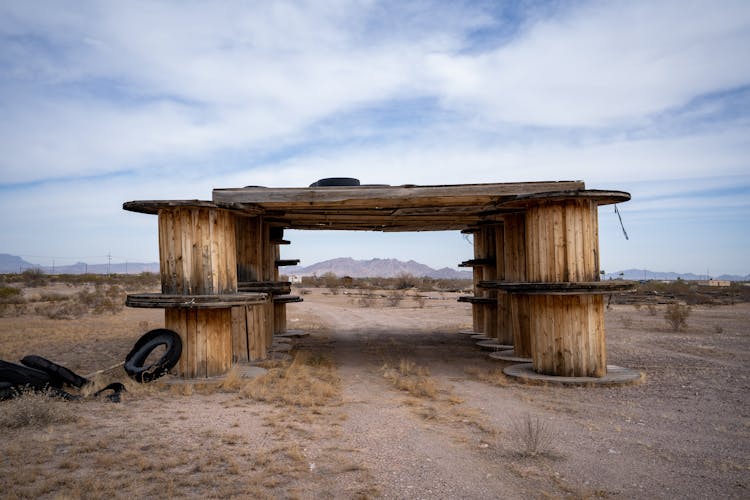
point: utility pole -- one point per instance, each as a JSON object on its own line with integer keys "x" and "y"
{"x": 53, "y": 266}
{"x": 109, "y": 261}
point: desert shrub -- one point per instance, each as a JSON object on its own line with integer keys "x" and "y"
{"x": 421, "y": 300}
{"x": 34, "y": 277}
{"x": 404, "y": 281}
{"x": 651, "y": 308}
{"x": 103, "y": 299}
{"x": 52, "y": 297}
{"x": 10, "y": 295}
{"x": 61, "y": 310}
{"x": 367, "y": 300}
{"x": 304, "y": 291}
{"x": 394, "y": 299}
{"x": 534, "y": 436}
{"x": 35, "y": 409}
{"x": 676, "y": 315}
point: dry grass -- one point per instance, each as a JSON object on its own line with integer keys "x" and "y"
{"x": 412, "y": 378}
{"x": 309, "y": 380}
{"x": 676, "y": 316}
{"x": 534, "y": 436}
{"x": 494, "y": 376}
{"x": 35, "y": 409}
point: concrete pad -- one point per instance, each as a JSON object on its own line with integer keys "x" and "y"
{"x": 281, "y": 347}
{"x": 469, "y": 332}
{"x": 292, "y": 333}
{"x": 492, "y": 345}
{"x": 481, "y": 336}
{"x": 509, "y": 355}
{"x": 616, "y": 375}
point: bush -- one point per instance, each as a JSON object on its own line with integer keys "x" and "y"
{"x": 34, "y": 277}
{"x": 394, "y": 299}
{"x": 534, "y": 436}
{"x": 35, "y": 409}
{"x": 10, "y": 295}
{"x": 676, "y": 315}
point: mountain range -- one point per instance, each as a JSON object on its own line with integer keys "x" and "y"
{"x": 343, "y": 266}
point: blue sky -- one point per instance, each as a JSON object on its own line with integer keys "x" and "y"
{"x": 104, "y": 102}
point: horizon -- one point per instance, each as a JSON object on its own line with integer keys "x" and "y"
{"x": 698, "y": 275}
{"x": 107, "y": 103}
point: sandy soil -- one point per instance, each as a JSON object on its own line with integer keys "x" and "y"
{"x": 683, "y": 433}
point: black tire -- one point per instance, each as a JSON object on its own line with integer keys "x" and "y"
{"x": 21, "y": 376}
{"x": 116, "y": 388}
{"x": 57, "y": 373}
{"x": 6, "y": 391}
{"x": 336, "y": 181}
{"x": 136, "y": 358}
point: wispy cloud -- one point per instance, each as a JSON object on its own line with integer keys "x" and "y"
{"x": 169, "y": 99}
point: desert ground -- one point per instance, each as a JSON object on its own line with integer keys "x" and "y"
{"x": 390, "y": 401}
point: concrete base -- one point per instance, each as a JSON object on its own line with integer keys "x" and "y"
{"x": 492, "y": 345}
{"x": 245, "y": 371}
{"x": 292, "y": 333}
{"x": 509, "y": 355}
{"x": 481, "y": 336}
{"x": 281, "y": 347}
{"x": 616, "y": 375}
{"x": 469, "y": 332}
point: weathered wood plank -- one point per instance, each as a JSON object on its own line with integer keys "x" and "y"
{"x": 388, "y": 196}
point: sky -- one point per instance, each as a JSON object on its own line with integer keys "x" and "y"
{"x": 105, "y": 102}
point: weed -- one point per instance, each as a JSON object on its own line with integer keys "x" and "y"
{"x": 394, "y": 298}
{"x": 367, "y": 300}
{"x": 676, "y": 315}
{"x": 411, "y": 378}
{"x": 421, "y": 300}
{"x": 306, "y": 381}
{"x": 534, "y": 436}
{"x": 652, "y": 310}
{"x": 35, "y": 409}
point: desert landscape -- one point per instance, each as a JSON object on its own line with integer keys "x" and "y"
{"x": 385, "y": 398}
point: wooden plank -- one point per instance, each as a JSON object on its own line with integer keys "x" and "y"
{"x": 240, "y": 348}
{"x": 389, "y": 196}
{"x": 279, "y": 317}
{"x": 153, "y": 206}
{"x": 200, "y": 319}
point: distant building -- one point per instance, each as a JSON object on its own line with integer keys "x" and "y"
{"x": 295, "y": 278}
{"x": 715, "y": 283}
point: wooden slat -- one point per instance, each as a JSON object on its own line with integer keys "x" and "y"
{"x": 178, "y": 301}
{"x": 389, "y": 196}
{"x": 240, "y": 348}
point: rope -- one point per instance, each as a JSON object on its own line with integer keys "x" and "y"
{"x": 617, "y": 211}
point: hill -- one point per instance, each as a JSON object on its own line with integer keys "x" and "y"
{"x": 375, "y": 268}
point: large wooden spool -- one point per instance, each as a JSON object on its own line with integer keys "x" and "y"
{"x": 517, "y": 306}
{"x": 197, "y": 256}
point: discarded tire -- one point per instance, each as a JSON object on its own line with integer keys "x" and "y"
{"x": 20, "y": 377}
{"x": 58, "y": 374}
{"x": 336, "y": 181}
{"x": 116, "y": 388}
{"x": 136, "y": 358}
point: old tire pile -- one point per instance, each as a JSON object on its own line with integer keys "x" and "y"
{"x": 36, "y": 373}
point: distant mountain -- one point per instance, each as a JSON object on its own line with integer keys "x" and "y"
{"x": 381, "y": 268}
{"x": 645, "y": 274}
{"x": 14, "y": 264}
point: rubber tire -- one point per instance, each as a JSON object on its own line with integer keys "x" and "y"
{"x": 57, "y": 373}
{"x": 116, "y": 388}
{"x": 148, "y": 342}
{"x": 21, "y": 376}
{"x": 336, "y": 181}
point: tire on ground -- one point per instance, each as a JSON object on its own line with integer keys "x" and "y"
{"x": 19, "y": 376}
{"x": 136, "y": 358}
{"x": 57, "y": 373}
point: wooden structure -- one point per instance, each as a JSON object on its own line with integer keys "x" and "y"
{"x": 535, "y": 262}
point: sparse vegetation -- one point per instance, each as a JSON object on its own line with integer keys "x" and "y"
{"x": 412, "y": 378}
{"x": 35, "y": 409}
{"x": 308, "y": 380}
{"x": 676, "y": 316}
{"x": 394, "y": 298}
{"x": 534, "y": 436}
